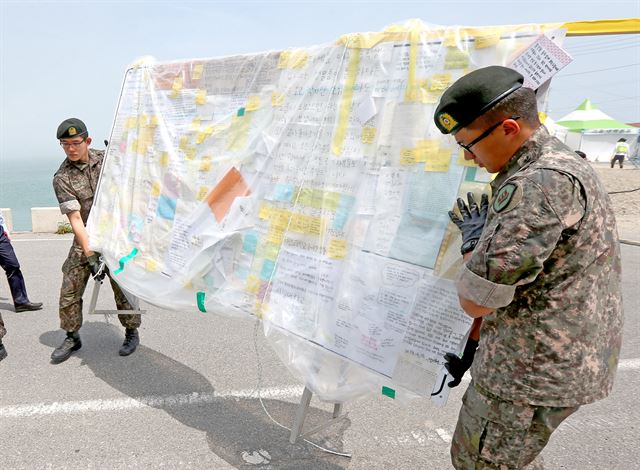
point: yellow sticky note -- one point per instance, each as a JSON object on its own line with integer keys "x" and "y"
{"x": 426, "y": 149}
{"x": 449, "y": 39}
{"x": 279, "y": 218}
{"x": 151, "y": 265}
{"x": 184, "y": 143}
{"x": 205, "y": 164}
{"x": 238, "y": 133}
{"x": 253, "y": 103}
{"x": 368, "y": 135}
{"x": 131, "y": 122}
{"x": 190, "y": 153}
{"x": 487, "y": 39}
{"x": 310, "y": 197}
{"x": 439, "y": 162}
{"x": 277, "y": 99}
{"x": 264, "y": 212}
{"x": 195, "y": 124}
{"x": 156, "y": 188}
{"x": 440, "y": 81}
{"x": 330, "y": 201}
{"x": 253, "y": 284}
{"x": 426, "y": 95}
{"x": 164, "y": 159}
{"x": 196, "y": 73}
{"x": 270, "y": 251}
{"x": 407, "y": 156}
{"x": 293, "y": 59}
{"x": 202, "y": 193}
{"x": 177, "y": 83}
{"x": 337, "y": 248}
{"x": 176, "y": 87}
{"x": 200, "y": 136}
{"x": 275, "y": 234}
{"x": 456, "y": 59}
{"x": 208, "y": 130}
{"x": 201, "y": 97}
{"x": 462, "y": 162}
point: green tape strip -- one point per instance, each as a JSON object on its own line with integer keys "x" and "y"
{"x": 389, "y": 392}
{"x": 124, "y": 260}
{"x": 200, "y": 299}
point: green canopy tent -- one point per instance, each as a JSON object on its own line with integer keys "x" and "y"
{"x": 595, "y": 133}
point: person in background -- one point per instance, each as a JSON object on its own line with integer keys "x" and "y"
{"x": 540, "y": 277}
{"x": 620, "y": 152}
{"x": 11, "y": 266}
{"x": 75, "y": 184}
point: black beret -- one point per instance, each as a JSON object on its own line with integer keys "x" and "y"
{"x": 72, "y": 127}
{"x": 473, "y": 95}
{"x": 622, "y": 139}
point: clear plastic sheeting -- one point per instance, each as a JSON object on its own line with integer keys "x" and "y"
{"x": 309, "y": 187}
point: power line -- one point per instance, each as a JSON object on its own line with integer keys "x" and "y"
{"x": 600, "y": 51}
{"x": 599, "y": 44}
{"x": 598, "y": 70}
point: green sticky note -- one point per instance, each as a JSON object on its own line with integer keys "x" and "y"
{"x": 241, "y": 112}
{"x": 200, "y": 299}
{"x": 388, "y": 392}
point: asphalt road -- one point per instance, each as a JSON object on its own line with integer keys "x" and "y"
{"x": 188, "y": 398}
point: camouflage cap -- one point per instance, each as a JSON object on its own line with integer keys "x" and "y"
{"x": 473, "y": 95}
{"x": 72, "y": 127}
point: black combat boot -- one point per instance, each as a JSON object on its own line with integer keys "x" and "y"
{"x": 131, "y": 342}
{"x": 3, "y": 351}
{"x": 63, "y": 352}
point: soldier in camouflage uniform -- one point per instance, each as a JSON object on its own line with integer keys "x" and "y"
{"x": 541, "y": 277}
{"x": 74, "y": 184}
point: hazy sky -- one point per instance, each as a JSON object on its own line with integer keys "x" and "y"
{"x": 67, "y": 58}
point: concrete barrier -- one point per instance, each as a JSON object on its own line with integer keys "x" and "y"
{"x": 8, "y": 218}
{"x": 46, "y": 219}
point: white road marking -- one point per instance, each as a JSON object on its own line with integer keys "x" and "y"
{"x": 195, "y": 398}
{"x": 153, "y": 401}
{"x": 444, "y": 435}
{"x": 20, "y": 240}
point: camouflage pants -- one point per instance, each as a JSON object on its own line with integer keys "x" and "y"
{"x": 3, "y": 330}
{"x": 493, "y": 434}
{"x": 75, "y": 275}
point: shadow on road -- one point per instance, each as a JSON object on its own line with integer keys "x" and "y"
{"x": 237, "y": 429}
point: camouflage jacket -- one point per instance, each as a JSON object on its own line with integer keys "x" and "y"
{"x": 75, "y": 185}
{"x": 549, "y": 262}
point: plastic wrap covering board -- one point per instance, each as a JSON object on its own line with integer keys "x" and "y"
{"x": 308, "y": 187}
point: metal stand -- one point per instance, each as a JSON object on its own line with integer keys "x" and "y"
{"x": 301, "y": 413}
{"x": 94, "y": 301}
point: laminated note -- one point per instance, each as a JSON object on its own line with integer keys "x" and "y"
{"x": 231, "y": 186}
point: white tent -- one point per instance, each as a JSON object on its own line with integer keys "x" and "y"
{"x": 595, "y": 133}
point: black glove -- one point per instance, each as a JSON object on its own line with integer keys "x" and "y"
{"x": 472, "y": 222}
{"x": 458, "y": 366}
{"x": 94, "y": 266}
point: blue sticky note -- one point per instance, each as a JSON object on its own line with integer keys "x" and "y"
{"x": 240, "y": 112}
{"x": 342, "y": 212}
{"x": 267, "y": 269}
{"x": 250, "y": 242}
{"x": 283, "y": 192}
{"x": 166, "y": 207}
